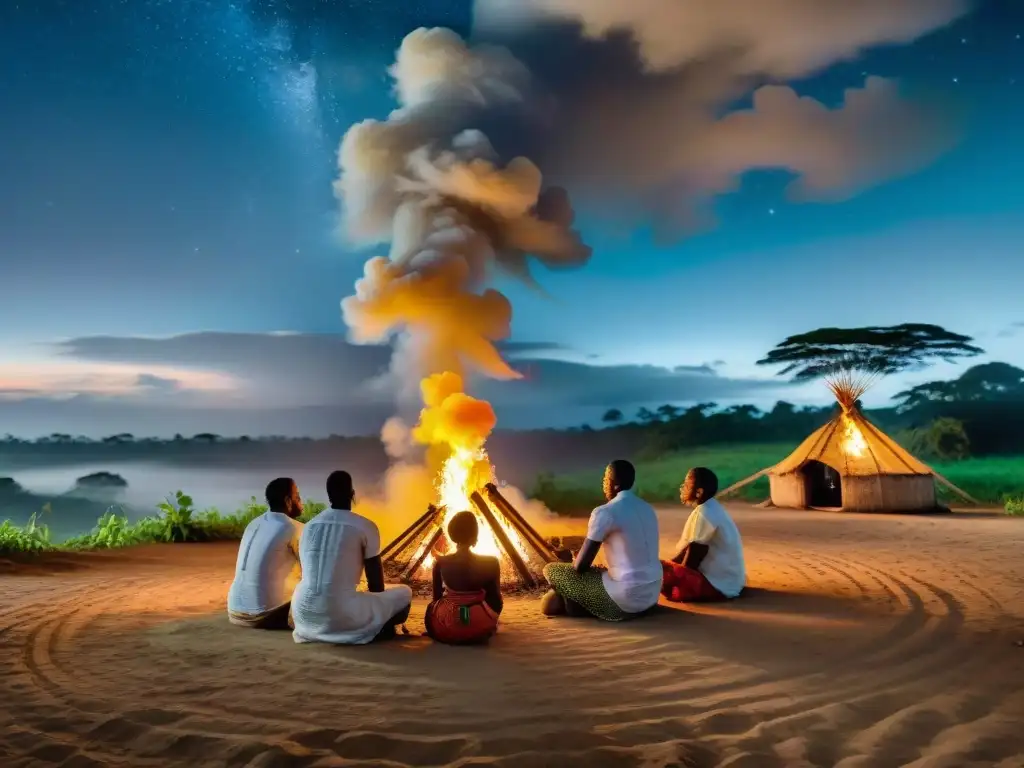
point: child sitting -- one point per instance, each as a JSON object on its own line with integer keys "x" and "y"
{"x": 467, "y": 589}
{"x": 709, "y": 561}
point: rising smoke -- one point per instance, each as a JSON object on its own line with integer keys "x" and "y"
{"x": 629, "y": 105}
{"x": 645, "y": 110}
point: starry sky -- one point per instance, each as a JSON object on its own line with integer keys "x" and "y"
{"x": 171, "y": 261}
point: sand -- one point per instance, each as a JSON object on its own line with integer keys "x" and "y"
{"x": 866, "y": 641}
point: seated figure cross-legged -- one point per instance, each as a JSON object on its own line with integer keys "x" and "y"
{"x": 467, "y": 589}
{"x": 337, "y": 547}
{"x": 708, "y": 564}
{"x": 267, "y": 567}
{"x": 627, "y": 527}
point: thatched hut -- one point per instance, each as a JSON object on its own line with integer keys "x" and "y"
{"x": 851, "y": 465}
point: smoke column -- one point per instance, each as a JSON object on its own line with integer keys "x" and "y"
{"x": 646, "y": 110}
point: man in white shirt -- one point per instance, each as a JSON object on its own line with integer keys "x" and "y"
{"x": 627, "y": 528}
{"x": 338, "y": 547}
{"x": 267, "y": 568}
{"x": 709, "y": 562}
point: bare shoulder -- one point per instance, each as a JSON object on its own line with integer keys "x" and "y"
{"x": 490, "y": 562}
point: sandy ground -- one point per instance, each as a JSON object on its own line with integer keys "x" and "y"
{"x": 866, "y": 641}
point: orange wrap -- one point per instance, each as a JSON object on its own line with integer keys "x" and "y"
{"x": 461, "y": 617}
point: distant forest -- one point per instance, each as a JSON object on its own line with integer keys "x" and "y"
{"x": 979, "y": 413}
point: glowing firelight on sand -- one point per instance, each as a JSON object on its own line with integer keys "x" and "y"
{"x": 854, "y": 443}
{"x": 455, "y": 421}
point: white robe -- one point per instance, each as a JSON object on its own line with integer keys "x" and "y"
{"x": 326, "y": 606}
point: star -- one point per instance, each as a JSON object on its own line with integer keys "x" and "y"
{"x": 771, "y": 211}
{"x": 956, "y": 79}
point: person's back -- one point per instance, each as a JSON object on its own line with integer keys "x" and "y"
{"x": 336, "y": 545}
{"x": 627, "y": 529}
{"x": 470, "y": 572}
{"x": 631, "y": 551}
{"x": 331, "y": 553}
{"x": 467, "y": 589}
{"x": 267, "y": 567}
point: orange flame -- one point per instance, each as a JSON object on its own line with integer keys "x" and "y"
{"x": 461, "y": 424}
{"x": 853, "y": 441}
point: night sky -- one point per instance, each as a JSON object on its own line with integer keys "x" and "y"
{"x": 171, "y": 260}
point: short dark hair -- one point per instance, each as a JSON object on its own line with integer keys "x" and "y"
{"x": 463, "y": 529}
{"x": 339, "y": 488}
{"x": 279, "y": 490}
{"x": 706, "y": 480}
{"x": 624, "y": 474}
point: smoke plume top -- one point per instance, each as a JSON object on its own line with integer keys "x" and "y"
{"x": 646, "y": 110}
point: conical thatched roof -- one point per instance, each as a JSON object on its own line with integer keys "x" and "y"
{"x": 852, "y": 445}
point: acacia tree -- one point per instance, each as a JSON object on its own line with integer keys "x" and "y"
{"x": 849, "y": 359}
{"x": 612, "y": 416}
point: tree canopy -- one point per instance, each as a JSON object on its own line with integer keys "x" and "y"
{"x": 986, "y": 382}
{"x": 871, "y": 350}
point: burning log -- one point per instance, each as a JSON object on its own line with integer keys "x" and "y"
{"x": 413, "y": 532}
{"x": 512, "y": 514}
{"x": 521, "y": 551}
{"x": 510, "y": 550}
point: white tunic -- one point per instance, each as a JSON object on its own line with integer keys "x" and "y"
{"x": 723, "y": 565}
{"x": 628, "y": 528}
{"x": 267, "y": 567}
{"x": 326, "y": 606}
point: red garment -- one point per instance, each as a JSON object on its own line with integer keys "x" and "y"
{"x": 461, "y": 617}
{"x": 687, "y": 585}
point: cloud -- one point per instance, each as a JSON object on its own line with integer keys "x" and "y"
{"x": 1011, "y": 330}
{"x": 634, "y": 104}
{"x": 310, "y": 384}
{"x": 636, "y": 107}
{"x": 781, "y": 38}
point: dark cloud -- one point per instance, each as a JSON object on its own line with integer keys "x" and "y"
{"x": 308, "y": 384}
{"x": 645, "y": 124}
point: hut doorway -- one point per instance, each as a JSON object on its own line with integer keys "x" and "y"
{"x": 823, "y": 485}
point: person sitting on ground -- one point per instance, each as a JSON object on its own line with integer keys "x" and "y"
{"x": 628, "y": 528}
{"x": 708, "y": 564}
{"x": 467, "y": 589}
{"x": 267, "y": 569}
{"x": 337, "y": 547}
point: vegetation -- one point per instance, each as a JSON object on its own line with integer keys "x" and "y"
{"x": 994, "y": 480}
{"x": 176, "y": 521}
{"x": 873, "y": 350}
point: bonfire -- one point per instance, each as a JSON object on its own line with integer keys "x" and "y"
{"x": 466, "y": 481}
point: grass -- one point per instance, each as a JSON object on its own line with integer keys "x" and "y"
{"x": 993, "y": 480}
{"x": 176, "y": 520}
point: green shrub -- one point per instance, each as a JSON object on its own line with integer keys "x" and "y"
{"x": 311, "y": 509}
{"x": 112, "y": 531}
{"x": 177, "y": 518}
{"x": 1014, "y": 505}
{"x": 31, "y": 538}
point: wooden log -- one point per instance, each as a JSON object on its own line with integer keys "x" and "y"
{"x": 746, "y": 481}
{"x": 499, "y": 532}
{"x": 410, "y": 533}
{"x": 527, "y": 531}
{"x": 409, "y": 572}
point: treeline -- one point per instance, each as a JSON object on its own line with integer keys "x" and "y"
{"x": 979, "y": 413}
